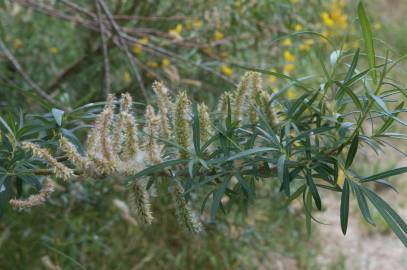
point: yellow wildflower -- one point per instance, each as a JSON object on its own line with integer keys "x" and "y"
{"x": 326, "y": 18}
{"x": 288, "y": 68}
{"x": 152, "y": 64}
{"x": 178, "y": 28}
{"x": 309, "y": 42}
{"x": 226, "y": 70}
{"x": 176, "y": 32}
{"x": 126, "y": 76}
{"x": 272, "y": 78}
{"x": 295, "y": 2}
{"x": 288, "y": 56}
{"x": 53, "y": 50}
{"x": 287, "y": 42}
{"x": 165, "y": 62}
{"x": 137, "y": 48}
{"x": 291, "y": 94}
{"x": 197, "y": 24}
{"x": 18, "y": 43}
{"x": 218, "y": 35}
{"x": 298, "y": 27}
{"x": 304, "y": 47}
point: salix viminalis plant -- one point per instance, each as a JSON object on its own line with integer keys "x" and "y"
{"x": 306, "y": 145}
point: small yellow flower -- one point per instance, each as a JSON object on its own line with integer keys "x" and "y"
{"x": 53, "y": 50}
{"x": 287, "y": 42}
{"x": 291, "y": 94}
{"x": 288, "y": 68}
{"x": 295, "y": 2}
{"x": 218, "y": 35}
{"x": 152, "y": 64}
{"x": 272, "y": 78}
{"x": 326, "y": 18}
{"x": 197, "y": 24}
{"x": 165, "y": 62}
{"x": 18, "y": 43}
{"x": 178, "y": 28}
{"x": 309, "y": 42}
{"x": 126, "y": 77}
{"x": 298, "y": 27}
{"x": 304, "y": 47}
{"x": 288, "y": 56}
{"x": 377, "y": 26}
{"x": 226, "y": 70}
{"x": 137, "y": 47}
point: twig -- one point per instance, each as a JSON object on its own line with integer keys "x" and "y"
{"x": 107, "y": 86}
{"x": 25, "y": 76}
{"x": 131, "y": 59}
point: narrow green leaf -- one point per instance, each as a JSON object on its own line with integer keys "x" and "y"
{"x": 344, "y": 211}
{"x": 217, "y": 197}
{"x": 283, "y": 175}
{"x": 386, "y": 174}
{"x": 256, "y": 150}
{"x": 368, "y": 38}
{"x": 353, "y": 65}
{"x": 57, "y": 114}
{"x": 352, "y": 151}
{"x": 363, "y": 206}
{"x": 313, "y": 189}
{"x": 196, "y": 130}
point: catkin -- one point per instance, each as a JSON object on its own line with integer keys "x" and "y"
{"x": 151, "y": 146}
{"x": 181, "y": 123}
{"x": 204, "y": 123}
{"x": 59, "y": 169}
{"x": 139, "y": 202}
{"x": 184, "y": 212}
{"x": 70, "y": 150}
{"x": 256, "y": 88}
{"x": 241, "y": 93}
{"x": 164, "y": 104}
{"x": 34, "y": 200}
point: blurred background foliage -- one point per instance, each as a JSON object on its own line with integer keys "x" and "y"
{"x": 200, "y": 46}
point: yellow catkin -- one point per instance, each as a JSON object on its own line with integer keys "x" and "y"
{"x": 72, "y": 153}
{"x": 151, "y": 146}
{"x": 139, "y": 202}
{"x": 240, "y": 95}
{"x": 256, "y": 88}
{"x": 34, "y": 200}
{"x": 222, "y": 108}
{"x": 204, "y": 123}
{"x": 103, "y": 127}
{"x": 181, "y": 123}
{"x": 130, "y": 144}
{"x": 164, "y": 104}
{"x": 59, "y": 169}
{"x": 184, "y": 212}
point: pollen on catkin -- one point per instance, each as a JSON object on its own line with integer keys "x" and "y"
{"x": 183, "y": 210}
{"x": 59, "y": 169}
{"x": 139, "y": 202}
{"x": 240, "y": 96}
{"x": 204, "y": 123}
{"x": 34, "y": 200}
{"x": 72, "y": 153}
{"x": 151, "y": 146}
{"x": 164, "y": 104}
{"x": 103, "y": 126}
{"x": 222, "y": 108}
{"x": 181, "y": 123}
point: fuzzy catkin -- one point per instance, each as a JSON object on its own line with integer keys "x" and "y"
{"x": 184, "y": 212}
{"x": 241, "y": 93}
{"x": 151, "y": 146}
{"x": 204, "y": 123}
{"x": 164, "y": 104}
{"x": 125, "y": 106}
{"x": 181, "y": 123}
{"x": 130, "y": 139}
{"x": 59, "y": 169}
{"x": 34, "y": 200}
{"x": 72, "y": 153}
{"x": 139, "y": 202}
{"x": 222, "y": 107}
{"x": 256, "y": 88}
